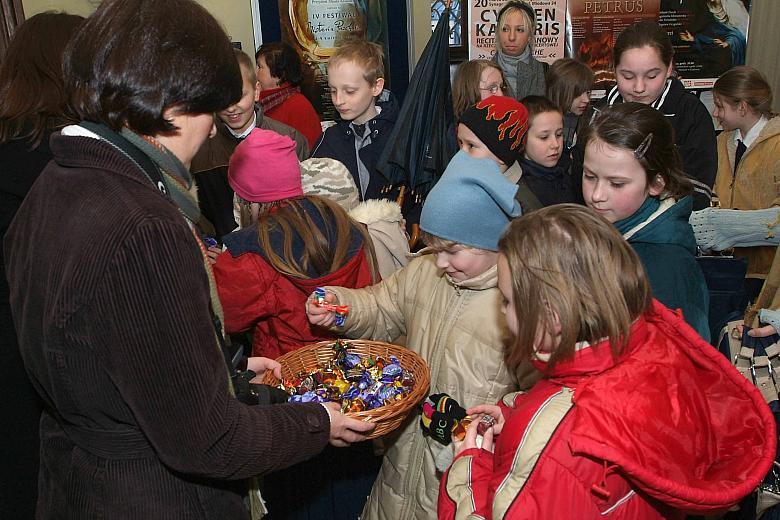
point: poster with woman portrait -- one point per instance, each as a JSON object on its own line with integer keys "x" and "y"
{"x": 549, "y": 32}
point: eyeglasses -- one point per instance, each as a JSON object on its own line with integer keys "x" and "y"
{"x": 493, "y": 89}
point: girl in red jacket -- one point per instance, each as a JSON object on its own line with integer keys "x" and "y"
{"x": 291, "y": 245}
{"x": 636, "y": 417}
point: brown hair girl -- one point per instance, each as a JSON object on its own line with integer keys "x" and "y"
{"x": 572, "y": 271}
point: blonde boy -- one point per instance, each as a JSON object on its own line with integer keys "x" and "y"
{"x": 366, "y": 116}
{"x": 447, "y": 304}
{"x": 209, "y": 167}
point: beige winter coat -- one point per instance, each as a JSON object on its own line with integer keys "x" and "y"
{"x": 754, "y": 186}
{"x": 459, "y": 331}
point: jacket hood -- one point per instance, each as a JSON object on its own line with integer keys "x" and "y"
{"x": 247, "y": 241}
{"x": 673, "y": 416}
{"x": 669, "y": 225}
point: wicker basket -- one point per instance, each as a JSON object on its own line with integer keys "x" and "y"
{"x": 388, "y": 417}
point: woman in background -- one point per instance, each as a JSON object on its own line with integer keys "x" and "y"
{"x": 514, "y": 50}
{"x": 33, "y": 105}
{"x": 279, "y": 74}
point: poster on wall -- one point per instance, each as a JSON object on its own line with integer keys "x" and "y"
{"x": 314, "y": 28}
{"x": 595, "y": 24}
{"x": 550, "y": 28}
{"x": 709, "y": 37}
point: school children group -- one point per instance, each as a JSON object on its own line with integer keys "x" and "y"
{"x": 557, "y": 290}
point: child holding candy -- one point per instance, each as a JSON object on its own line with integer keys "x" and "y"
{"x": 637, "y": 417}
{"x": 447, "y": 304}
{"x": 296, "y": 243}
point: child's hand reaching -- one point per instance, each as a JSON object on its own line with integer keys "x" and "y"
{"x": 318, "y": 315}
{"x": 477, "y": 427}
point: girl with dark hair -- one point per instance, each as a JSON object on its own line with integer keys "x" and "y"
{"x": 632, "y": 176}
{"x": 33, "y": 105}
{"x": 515, "y": 29}
{"x": 280, "y": 75}
{"x": 629, "y": 419}
{"x": 117, "y": 314}
{"x": 569, "y": 83}
{"x": 643, "y": 56}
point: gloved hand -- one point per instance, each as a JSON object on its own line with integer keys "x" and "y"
{"x": 441, "y": 416}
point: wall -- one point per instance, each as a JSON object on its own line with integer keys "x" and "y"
{"x": 764, "y": 42}
{"x": 235, "y": 16}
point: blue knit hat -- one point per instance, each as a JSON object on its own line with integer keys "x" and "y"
{"x": 471, "y": 204}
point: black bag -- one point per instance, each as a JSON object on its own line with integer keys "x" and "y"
{"x": 725, "y": 277}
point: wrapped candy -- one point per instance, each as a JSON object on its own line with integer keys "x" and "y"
{"x": 357, "y": 382}
{"x": 318, "y": 298}
{"x": 445, "y": 420}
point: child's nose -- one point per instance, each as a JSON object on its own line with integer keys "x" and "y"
{"x": 441, "y": 261}
{"x": 639, "y": 85}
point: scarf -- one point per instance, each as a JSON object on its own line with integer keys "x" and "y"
{"x": 524, "y": 74}
{"x": 273, "y": 97}
{"x": 648, "y": 207}
{"x": 178, "y": 182}
{"x": 551, "y": 185}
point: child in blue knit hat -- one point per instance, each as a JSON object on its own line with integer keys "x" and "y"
{"x": 448, "y": 306}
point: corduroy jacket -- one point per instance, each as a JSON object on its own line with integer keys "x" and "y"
{"x": 111, "y": 302}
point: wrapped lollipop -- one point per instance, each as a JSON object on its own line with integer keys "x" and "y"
{"x": 318, "y": 297}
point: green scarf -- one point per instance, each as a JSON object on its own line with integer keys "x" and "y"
{"x": 648, "y": 207}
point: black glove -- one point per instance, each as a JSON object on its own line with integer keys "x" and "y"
{"x": 441, "y": 413}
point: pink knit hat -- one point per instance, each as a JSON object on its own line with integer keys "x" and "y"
{"x": 264, "y": 168}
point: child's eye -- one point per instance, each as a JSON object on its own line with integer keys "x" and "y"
{"x": 627, "y": 76}
{"x": 350, "y": 91}
{"x": 617, "y": 184}
{"x": 588, "y": 176}
{"x": 652, "y": 76}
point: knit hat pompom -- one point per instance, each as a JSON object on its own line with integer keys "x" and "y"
{"x": 329, "y": 178}
{"x": 471, "y": 204}
{"x": 264, "y": 168}
{"x": 501, "y": 123}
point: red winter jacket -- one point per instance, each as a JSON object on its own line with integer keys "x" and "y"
{"x": 669, "y": 428}
{"x": 257, "y": 297}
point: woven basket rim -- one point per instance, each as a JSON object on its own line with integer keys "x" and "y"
{"x": 409, "y": 361}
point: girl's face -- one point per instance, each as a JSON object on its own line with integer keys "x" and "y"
{"x": 641, "y": 74}
{"x": 728, "y": 115}
{"x": 472, "y": 145}
{"x": 514, "y": 33}
{"x": 580, "y": 103}
{"x": 463, "y": 263}
{"x": 490, "y": 83}
{"x": 508, "y": 297}
{"x": 544, "y": 141}
{"x": 614, "y": 184}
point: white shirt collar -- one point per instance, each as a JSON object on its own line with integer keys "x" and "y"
{"x": 246, "y": 132}
{"x": 752, "y": 134}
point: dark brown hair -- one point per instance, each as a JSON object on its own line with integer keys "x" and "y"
{"x": 133, "y": 59}
{"x": 465, "y": 84}
{"x": 627, "y": 126}
{"x": 538, "y": 105}
{"x": 32, "y": 86}
{"x": 644, "y": 34}
{"x": 745, "y": 84}
{"x": 569, "y": 263}
{"x": 283, "y": 62}
{"x": 292, "y": 219}
{"x": 567, "y": 79}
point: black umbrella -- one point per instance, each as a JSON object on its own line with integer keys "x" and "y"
{"x": 423, "y": 139}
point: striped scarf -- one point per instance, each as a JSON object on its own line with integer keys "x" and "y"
{"x": 272, "y": 98}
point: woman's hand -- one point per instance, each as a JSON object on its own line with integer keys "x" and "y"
{"x": 212, "y": 253}
{"x": 259, "y": 365}
{"x": 318, "y": 315}
{"x": 346, "y": 430}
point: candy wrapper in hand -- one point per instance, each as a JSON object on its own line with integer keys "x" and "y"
{"x": 442, "y": 417}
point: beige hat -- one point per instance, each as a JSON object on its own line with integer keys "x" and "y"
{"x": 329, "y": 178}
